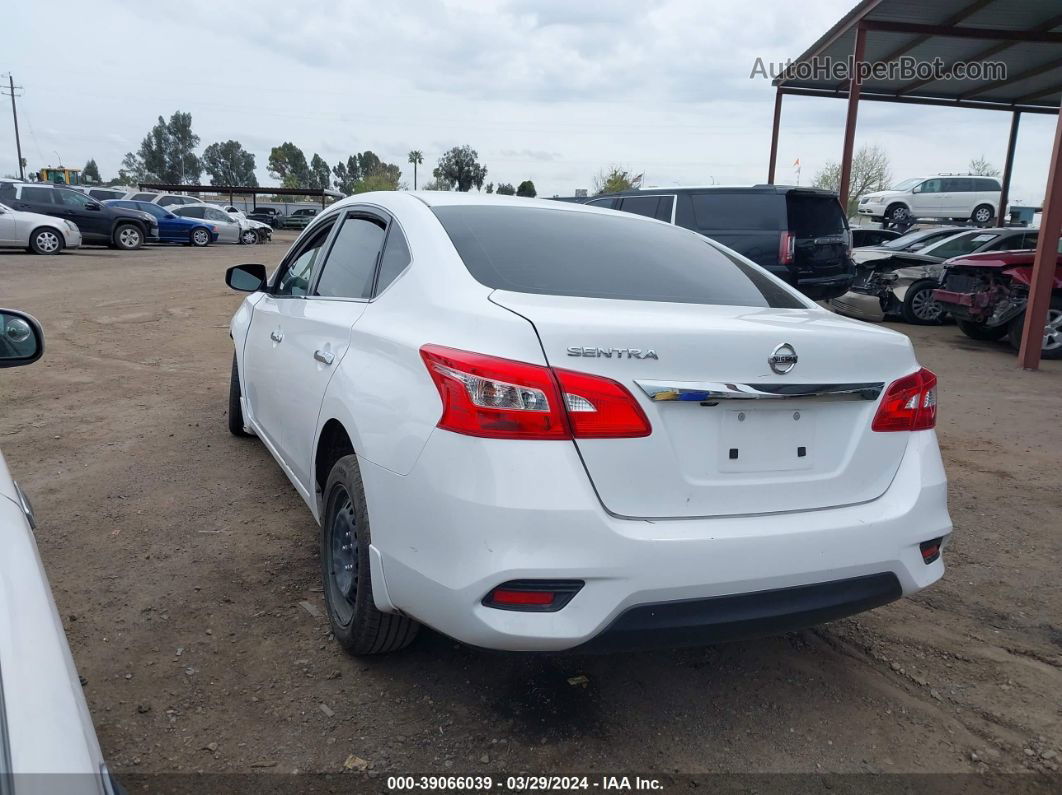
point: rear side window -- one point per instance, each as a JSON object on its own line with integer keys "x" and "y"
{"x": 731, "y": 211}
{"x": 814, "y": 216}
{"x": 190, "y": 212}
{"x": 984, "y": 184}
{"x": 143, "y": 197}
{"x": 560, "y": 252}
{"x": 394, "y": 260}
{"x": 39, "y": 195}
{"x": 351, "y": 264}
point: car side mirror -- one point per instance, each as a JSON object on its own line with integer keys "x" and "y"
{"x": 21, "y": 339}
{"x": 92, "y": 206}
{"x": 246, "y": 278}
{"x": 916, "y": 189}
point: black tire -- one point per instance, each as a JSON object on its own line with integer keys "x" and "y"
{"x": 199, "y": 237}
{"x": 1053, "y": 343}
{"x": 356, "y": 623}
{"x": 981, "y": 332}
{"x": 918, "y": 307}
{"x": 897, "y": 214}
{"x": 46, "y": 241}
{"x": 982, "y": 215}
{"x": 235, "y": 415}
{"x": 128, "y": 237}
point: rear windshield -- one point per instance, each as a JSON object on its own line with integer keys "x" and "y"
{"x": 559, "y": 252}
{"x": 813, "y": 216}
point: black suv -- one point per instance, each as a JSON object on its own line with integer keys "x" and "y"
{"x": 798, "y": 234}
{"x": 99, "y": 224}
{"x": 267, "y": 215}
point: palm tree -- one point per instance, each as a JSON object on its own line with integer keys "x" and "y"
{"x": 415, "y": 157}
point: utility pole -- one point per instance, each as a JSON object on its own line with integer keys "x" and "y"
{"x": 14, "y": 113}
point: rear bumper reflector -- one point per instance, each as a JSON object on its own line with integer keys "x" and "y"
{"x": 537, "y": 596}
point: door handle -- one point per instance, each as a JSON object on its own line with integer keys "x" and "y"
{"x": 324, "y": 357}
{"x": 277, "y": 335}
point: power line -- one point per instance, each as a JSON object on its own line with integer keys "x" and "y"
{"x": 14, "y": 114}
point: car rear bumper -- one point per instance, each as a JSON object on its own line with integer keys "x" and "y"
{"x": 823, "y": 288}
{"x": 473, "y": 514}
{"x": 859, "y": 306}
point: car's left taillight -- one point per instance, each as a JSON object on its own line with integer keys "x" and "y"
{"x": 505, "y": 399}
{"x": 910, "y": 404}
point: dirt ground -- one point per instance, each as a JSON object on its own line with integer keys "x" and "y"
{"x": 185, "y": 569}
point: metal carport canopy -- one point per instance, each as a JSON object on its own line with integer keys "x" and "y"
{"x": 1024, "y": 37}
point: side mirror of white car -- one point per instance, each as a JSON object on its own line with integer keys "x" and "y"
{"x": 246, "y": 278}
{"x": 21, "y": 339}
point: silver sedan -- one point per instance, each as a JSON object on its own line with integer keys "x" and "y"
{"x": 228, "y": 229}
{"x": 41, "y": 234}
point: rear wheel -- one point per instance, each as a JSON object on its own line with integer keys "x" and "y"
{"x": 982, "y": 215}
{"x": 979, "y": 331}
{"x": 1052, "y": 337}
{"x": 918, "y": 306}
{"x": 128, "y": 237}
{"x": 356, "y": 623}
{"x": 200, "y": 237}
{"x": 45, "y": 241}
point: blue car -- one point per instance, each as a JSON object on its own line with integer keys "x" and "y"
{"x": 173, "y": 228}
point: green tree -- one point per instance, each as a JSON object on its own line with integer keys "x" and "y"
{"x": 228, "y": 163}
{"x": 612, "y": 181}
{"x": 489, "y": 188}
{"x": 91, "y": 173}
{"x": 526, "y": 188}
{"x": 461, "y": 168}
{"x": 983, "y": 168}
{"x": 364, "y": 172}
{"x": 288, "y": 164}
{"x": 438, "y": 184}
{"x": 320, "y": 173}
{"x": 870, "y": 172}
{"x": 415, "y": 157}
{"x": 346, "y": 175}
{"x": 506, "y": 189}
{"x": 166, "y": 153}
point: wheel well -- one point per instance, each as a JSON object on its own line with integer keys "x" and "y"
{"x": 890, "y": 205}
{"x": 131, "y": 222}
{"x": 43, "y": 227}
{"x": 333, "y": 445}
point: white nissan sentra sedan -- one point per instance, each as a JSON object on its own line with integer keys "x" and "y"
{"x": 534, "y": 425}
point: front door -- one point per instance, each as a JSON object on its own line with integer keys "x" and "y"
{"x": 7, "y": 227}
{"x": 925, "y": 200}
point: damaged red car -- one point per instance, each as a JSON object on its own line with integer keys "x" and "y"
{"x": 987, "y": 294}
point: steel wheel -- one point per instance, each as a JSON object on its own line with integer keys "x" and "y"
{"x": 47, "y": 241}
{"x": 343, "y": 557}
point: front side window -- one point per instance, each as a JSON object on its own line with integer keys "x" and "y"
{"x": 351, "y": 265}
{"x": 214, "y": 214}
{"x": 592, "y": 255}
{"x": 295, "y": 277}
{"x": 932, "y": 186}
{"x": 71, "y": 198}
{"x": 960, "y": 245}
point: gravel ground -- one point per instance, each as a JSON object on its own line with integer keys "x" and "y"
{"x": 185, "y": 569}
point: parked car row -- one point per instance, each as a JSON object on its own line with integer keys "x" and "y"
{"x": 46, "y": 219}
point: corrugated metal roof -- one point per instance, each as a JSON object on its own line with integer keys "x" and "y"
{"x": 1033, "y": 69}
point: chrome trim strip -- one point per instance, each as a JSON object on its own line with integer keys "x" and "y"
{"x": 709, "y": 392}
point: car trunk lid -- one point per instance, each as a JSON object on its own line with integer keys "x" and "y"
{"x": 727, "y": 456}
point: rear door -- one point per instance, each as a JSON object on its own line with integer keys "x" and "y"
{"x": 37, "y": 199}
{"x": 317, "y": 336}
{"x": 87, "y": 213}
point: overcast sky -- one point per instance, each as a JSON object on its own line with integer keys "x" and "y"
{"x": 548, "y": 90}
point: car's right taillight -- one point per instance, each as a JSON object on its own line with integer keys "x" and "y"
{"x": 910, "y": 404}
{"x": 786, "y": 248}
{"x": 505, "y": 399}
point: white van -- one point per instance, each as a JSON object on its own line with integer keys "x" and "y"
{"x": 941, "y": 196}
